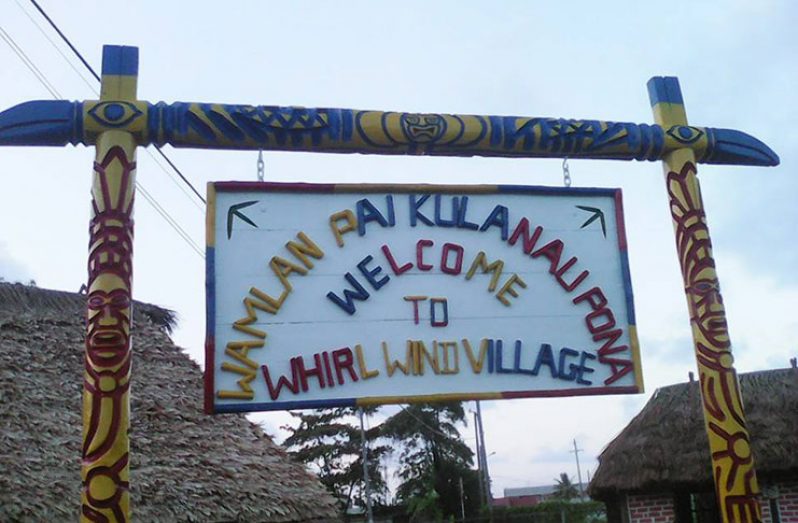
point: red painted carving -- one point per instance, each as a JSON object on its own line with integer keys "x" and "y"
{"x": 728, "y": 436}
{"x": 107, "y": 365}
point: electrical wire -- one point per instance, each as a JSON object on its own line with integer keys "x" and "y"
{"x": 436, "y": 431}
{"x": 173, "y": 166}
{"x": 97, "y": 77}
{"x": 29, "y": 63}
{"x": 65, "y": 39}
{"x": 94, "y": 89}
{"x": 57, "y": 49}
{"x": 174, "y": 180}
{"x": 166, "y": 216}
{"x": 54, "y": 92}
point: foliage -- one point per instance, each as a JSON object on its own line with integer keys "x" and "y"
{"x": 328, "y": 440}
{"x": 553, "y": 511}
{"x": 565, "y": 488}
{"x": 425, "y": 506}
{"x": 433, "y": 458}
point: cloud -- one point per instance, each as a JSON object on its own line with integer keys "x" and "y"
{"x": 12, "y": 270}
{"x": 760, "y": 311}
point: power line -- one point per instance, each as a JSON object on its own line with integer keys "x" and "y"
{"x": 65, "y": 39}
{"x": 166, "y": 216}
{"x": 53, "y": 91}
{"x": 29, "y": 63}
{"x": 58, "y": 49}
{"x": 439, "y": 433}
{"x": 97, "y": 77}
{"x": 97, "y": 93}
{"x": 173, "y": 166}
{"x": 174, "y": 180}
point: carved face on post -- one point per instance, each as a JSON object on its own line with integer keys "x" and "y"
{"x": 108, "y": 327}
{"x": 108, "y": 319}
{"x": 423, "y": 128}
{"x": 703, "y": 290}
{"x": 706, "y": 306}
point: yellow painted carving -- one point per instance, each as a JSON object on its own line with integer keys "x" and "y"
{"x": 351, "y": 224}
{"x": 239, "y": 350}
{"x": 246, "y": 391}
{"x": 508, "y": 288}
{"x": 724, "y": 420}
{"x": 303, "y": 251}
{"x": 477, "y": 362}
{"x": 495, "y": 268}
{"x": 449, "y": 347}
{"x": 392, "y": 365}
{"x": 365, "y": 373}
{"x": 106, "y": 396}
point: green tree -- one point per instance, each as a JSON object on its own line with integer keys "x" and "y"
{"x": 565, "y": 488}
{"x": 328, "y": 441}
{"x": 432, "y": 460}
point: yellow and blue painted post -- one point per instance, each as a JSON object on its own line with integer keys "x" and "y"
{"x": 118, "y": 122}
{"x": 105, "y": 469}
{"x": 736, "y": 485}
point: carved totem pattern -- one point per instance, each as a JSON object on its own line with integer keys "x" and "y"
{"x": 733, "y": 463}
{"x": 106, "y": 396}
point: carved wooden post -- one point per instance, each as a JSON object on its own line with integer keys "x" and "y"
{"x": 117, "y": 123}
{"x": 106, "y": 391}
{"x": 732, "y": 462}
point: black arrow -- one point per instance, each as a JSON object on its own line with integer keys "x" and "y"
{"x": 235, "y": 210}
{"x": 597, "y": 213}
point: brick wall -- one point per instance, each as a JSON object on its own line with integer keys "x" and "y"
{"x": 788, "y": 503}
{"x": 658, "y": 508}
{"x": 651, "y": 508}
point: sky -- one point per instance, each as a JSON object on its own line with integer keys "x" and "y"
{"x": 735, "y": 61}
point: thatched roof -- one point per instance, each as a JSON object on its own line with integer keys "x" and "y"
{"x": 185, "y": 465}
{"x": 665, "y": 447}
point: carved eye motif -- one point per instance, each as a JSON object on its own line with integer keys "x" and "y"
{"x": 96, "y": 301}
{"x": 704, "y": 286}
{"x": 119, "y": 299}
{"x": 685, "y": 133}
{"x": 114, "y": 114}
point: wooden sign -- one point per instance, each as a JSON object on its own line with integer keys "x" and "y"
{"x": 331, "y": 295}
{"x": 281, "y": 348}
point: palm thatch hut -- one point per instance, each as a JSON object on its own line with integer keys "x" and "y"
{"x": 659, "y": 469}
{"x": 186, "y": 466}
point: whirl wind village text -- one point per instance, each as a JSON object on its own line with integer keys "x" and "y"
{"x": 335, "y": 366}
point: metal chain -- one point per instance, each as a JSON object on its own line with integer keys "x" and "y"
{"x": 260, "y": 166}
{"x": 566, "y": 173}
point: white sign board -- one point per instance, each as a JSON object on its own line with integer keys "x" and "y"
{"x": 338, "y": 295}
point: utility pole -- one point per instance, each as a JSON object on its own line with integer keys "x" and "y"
{"x": 365, "y": 467}
{"x": 488, "y": 495}
{"x": 481, "y": 481}
{"x": 462, "y": 500}
{"x": 576, "y": 452}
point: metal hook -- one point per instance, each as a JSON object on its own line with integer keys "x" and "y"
{"x": 566, "y": 173}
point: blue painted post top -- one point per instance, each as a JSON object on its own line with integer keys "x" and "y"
{"x": 664, "y": 89}
{"x": 120, "y": 60}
